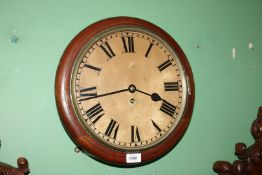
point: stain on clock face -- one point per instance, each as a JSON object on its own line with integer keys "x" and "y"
{"x": 128, "y": 89}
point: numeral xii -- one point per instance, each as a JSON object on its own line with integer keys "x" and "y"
{"x": 128, "y": 44}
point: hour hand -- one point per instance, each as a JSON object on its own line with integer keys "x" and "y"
{"x": 156, "y": 97}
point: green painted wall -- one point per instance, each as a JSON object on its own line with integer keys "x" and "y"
{"x": 228, "y": 90}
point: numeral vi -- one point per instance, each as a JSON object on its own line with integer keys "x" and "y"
{"x": 135, "y": 136}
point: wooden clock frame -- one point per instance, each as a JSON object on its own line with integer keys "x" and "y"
{"x": 84, "y": 141}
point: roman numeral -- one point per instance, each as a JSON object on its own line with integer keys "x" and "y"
{"x": 171, "y": 86}
{"x": 135, "y": 134}
{"x": 92, "y": 67}
{"x": 164, "y": 65}
{"x": 168, "y": 108}
{"x": 112, "y": 129}
{"x": 107, "y": 49}
{"x": 156, "y": 126}
{"x": 128, "y": 44}
{"x": 86, "y": 93}
{"x": 95, "y": 113}
{"x": 149, "y": 49}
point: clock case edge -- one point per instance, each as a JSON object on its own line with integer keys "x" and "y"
{"x": 73, "y": 127}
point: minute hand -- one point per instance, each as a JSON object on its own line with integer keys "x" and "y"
{"x": 102, "y": 95}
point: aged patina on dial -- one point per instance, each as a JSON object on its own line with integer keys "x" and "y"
{"x": 124, "y": 91}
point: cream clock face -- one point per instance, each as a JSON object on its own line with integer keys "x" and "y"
{"x": 128, "y": 88}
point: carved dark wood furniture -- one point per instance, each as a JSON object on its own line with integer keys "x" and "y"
{"x": 22, "y": 169}
{"x": 250, "y": 158}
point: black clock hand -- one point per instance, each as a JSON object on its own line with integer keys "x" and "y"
{"x": 132, "y": 88}
{"x": 155, "y": 97}
{"x": 102, "y": 95}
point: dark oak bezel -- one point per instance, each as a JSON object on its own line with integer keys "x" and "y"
{"x": 73, "y": 126}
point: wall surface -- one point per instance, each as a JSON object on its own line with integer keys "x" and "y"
{"x": 228, "y": 90}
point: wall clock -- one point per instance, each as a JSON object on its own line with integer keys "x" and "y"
{"x": 124, "y": 91}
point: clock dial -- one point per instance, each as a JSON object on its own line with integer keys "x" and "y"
{"x": 124, "y": 91}
{"x": 112, "y": 86}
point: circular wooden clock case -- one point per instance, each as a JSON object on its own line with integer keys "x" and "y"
{"x": 124, "y": 91}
